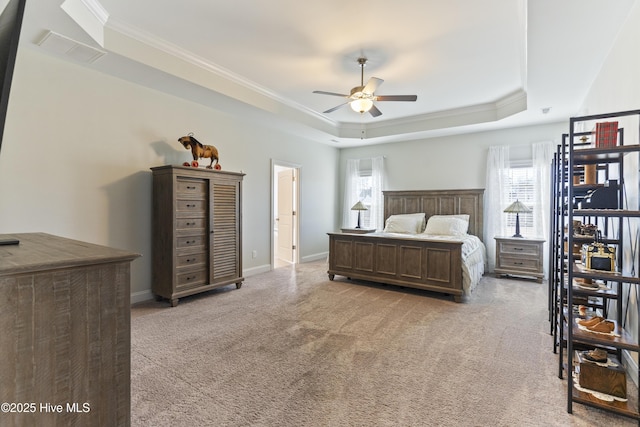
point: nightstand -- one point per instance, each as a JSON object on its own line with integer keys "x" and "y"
{"x": 358, "y": 230}
{"x": 520, "y": 256}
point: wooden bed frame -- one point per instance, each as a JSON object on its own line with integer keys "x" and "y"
{"x": 424, "y": 264}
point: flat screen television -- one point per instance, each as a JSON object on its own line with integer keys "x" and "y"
{"x": 10, "y": 25}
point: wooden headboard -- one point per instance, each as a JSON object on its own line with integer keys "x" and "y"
{"x": 438, "y": 202}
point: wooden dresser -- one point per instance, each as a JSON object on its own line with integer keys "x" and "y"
{"x": 197, "y": 238}
{"x": 65, "y": 335}
{"x": 520, "y": 256}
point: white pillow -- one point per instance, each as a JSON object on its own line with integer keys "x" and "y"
{"x": 447, "y": 225}
{"x": 405, "y": 223}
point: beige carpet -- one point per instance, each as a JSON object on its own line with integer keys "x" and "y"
{"x": 291, "y": 348}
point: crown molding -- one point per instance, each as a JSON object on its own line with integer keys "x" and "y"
{"x": 506, "y": 106}
{"x": 231, "y": 84}
{"x": 89, "y": 15}
{"x": 96, "y": 10}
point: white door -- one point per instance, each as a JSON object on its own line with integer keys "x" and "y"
{"x": 286, "y": 216}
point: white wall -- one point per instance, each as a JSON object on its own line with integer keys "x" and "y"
{"x": 453, "y": 162}
{"x": 617, "y": 88}
{"x": 78, "y": 146}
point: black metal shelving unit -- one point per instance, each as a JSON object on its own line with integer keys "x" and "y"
{"x": 566, "y": 294}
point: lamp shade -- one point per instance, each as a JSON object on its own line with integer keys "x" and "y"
{"x": 517, "y": 207}
{"x": 361, "y": 105}
{"x": 359, "y": 207}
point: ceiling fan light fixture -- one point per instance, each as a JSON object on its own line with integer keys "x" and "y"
{"x": 361, "y": 105}
{"x": 362, "y": 97}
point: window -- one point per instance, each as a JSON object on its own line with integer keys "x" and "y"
{"x": 525, "y": 180}
{"x": 520, "y": 185}
{"x": 364, "y": 184}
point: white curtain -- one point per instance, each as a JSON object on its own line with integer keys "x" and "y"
{"x": 495, "y": 197}
{"x": 349, "y": 217}
{"x": 542, "y": 153}
{"x": 356, "y": 189}
{"x": 377, "y": 201}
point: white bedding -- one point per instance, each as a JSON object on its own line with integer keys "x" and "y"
{"x": 474, "y": 255}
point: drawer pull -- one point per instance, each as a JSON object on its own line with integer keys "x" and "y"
{"x": 190, "y": 187}
{"x": 190, "y": 259}
{"x": 189, "y": 242}
{"x": 191, "y": 277}
{"x": 191, "y": 206}
{"x": 518, "y": 249}
{"x": 518, "y": 263}
{"x": 191, "y": 223}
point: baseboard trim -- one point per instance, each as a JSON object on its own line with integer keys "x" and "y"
{"x": 141, "y": 296}
{"x": 256, "y": 270}
{"x": 315, "y": 257}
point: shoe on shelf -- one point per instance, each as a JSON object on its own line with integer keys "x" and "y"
{"x": 606, "y": 327}
{"x": 591, "y": 321}
{"x": 590, "y": 285}
{"x": 596, "y": 355}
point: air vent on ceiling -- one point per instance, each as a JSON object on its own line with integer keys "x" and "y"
{"x": 58, "y": 43}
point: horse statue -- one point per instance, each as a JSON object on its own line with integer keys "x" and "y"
{"x": 199, "y": 151}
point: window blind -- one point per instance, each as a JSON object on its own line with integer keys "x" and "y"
{"x": 520, "y": 186}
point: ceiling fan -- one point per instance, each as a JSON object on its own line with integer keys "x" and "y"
{"x": 361, "y": 97}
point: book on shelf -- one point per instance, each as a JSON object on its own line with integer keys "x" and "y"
{"x": 606, "y": 134}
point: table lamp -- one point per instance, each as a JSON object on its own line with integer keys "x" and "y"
{"x": 517, "y": 208}
{"x": 358, "y": 207}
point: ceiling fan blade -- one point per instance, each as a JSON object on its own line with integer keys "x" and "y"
{"x": 372, "y": 85}
{"x": 396, "y": 97}
{"x": 335, "y": 108}
{"x": 322, "y": 92}
{"x": 374, "y": 111}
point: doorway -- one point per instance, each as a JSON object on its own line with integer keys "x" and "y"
{"x": 285, "y": 195}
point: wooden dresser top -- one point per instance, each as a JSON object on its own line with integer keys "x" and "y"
{"x": 41, "y": 251}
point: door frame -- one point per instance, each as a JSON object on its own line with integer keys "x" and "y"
{"x": 296, "y": 206}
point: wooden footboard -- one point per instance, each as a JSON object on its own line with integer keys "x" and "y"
{"x": 423, "y": 264}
